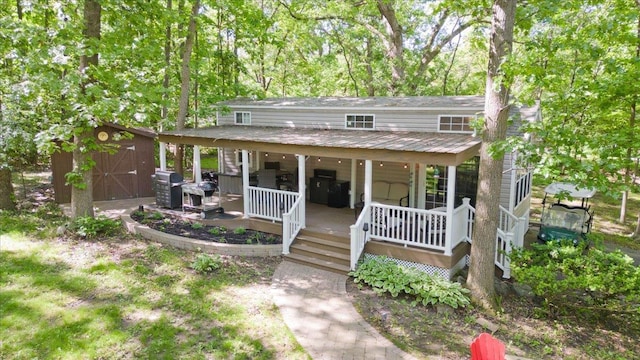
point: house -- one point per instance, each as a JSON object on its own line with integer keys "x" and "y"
{"x": 123, "y": 174}
{"x": 408, "y": 166}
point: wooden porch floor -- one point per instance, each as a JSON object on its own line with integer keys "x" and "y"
{"x": 320, "y": 218}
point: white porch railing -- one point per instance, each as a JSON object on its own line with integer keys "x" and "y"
{"x": 291, "y": 224}
{"x": 410, "y": 227}
{"x": 270, "y": 204}
{"x": 359, "y": 236}
{"x": 508, "y": 232}
{"x": 522, "y": 187}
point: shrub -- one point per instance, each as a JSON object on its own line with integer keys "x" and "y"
{"x": 384, "y": 275}
{"x": 89, "y": 227}
{"x": 581, "y": 276}
{"x": 156, "y": 215}
{"x": 205, "y": 263}
{"x": 215, "y": 231}
{"x": 239, "y": 230}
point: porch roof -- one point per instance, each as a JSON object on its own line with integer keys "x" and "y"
{"x": 401, "y": 146}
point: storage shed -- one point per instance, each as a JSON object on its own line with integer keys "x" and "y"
{"x": 123, "y": 175}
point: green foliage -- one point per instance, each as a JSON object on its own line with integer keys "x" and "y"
{"x": 89, "y": 227}
{"x": 385, "y": 276}
{"x": 582, "y": 276}
{"x": 239, "y": 230}
{"x": 205, "y": 263}
{"x": 215, "y": 231}
{"x": 156, "y": 215}
{"x": 197, "y": 225}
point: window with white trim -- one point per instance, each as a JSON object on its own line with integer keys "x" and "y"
{"x": 242, "y": 117}
{"x": 455, "y": 123}
{"x": 359, "y": 121}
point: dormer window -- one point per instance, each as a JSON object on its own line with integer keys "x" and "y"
{"x": 456, "y": 123}
{"x": 359, "y": 121}
{"x": 243, "y": 118}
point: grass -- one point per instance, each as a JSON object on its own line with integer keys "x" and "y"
{"x": 125, "y": 298}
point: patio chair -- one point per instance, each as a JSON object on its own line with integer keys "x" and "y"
{"x": 486, "y": 347}
{"x": 267, "y": 178}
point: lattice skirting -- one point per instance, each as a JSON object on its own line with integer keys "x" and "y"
{"x": 429, "y": 269}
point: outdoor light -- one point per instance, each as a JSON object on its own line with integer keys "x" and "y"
{"x": 266, "y": 154}
{"x": 381, "y": 164}
{"x": 339, "y": 161}
{"x": 283, "y": 156}
{"x": 436, "y": 173}
{"x": 360, "y": 163}
{"x": 319, "y": 159}
{"x": 406, "y": 166}
{"x": 365, "y": 227}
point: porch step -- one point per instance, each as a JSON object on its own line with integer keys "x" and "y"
{"x": 322, "y": 251}
{"x": 317, "y": 263}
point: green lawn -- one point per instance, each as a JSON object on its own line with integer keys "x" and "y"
{"x": 126, "y": 298}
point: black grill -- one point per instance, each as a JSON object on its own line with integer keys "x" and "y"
{"x": 167, "y": 186}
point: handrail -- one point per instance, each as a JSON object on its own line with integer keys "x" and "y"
{"x": 359, "y": 236}
{"x": 508, "y": 230}
{"x": 291, "y": 225}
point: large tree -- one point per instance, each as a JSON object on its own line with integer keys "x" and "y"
{"x": 496, "y": 114}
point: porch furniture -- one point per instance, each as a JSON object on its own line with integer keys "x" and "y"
{"x": 267, "y": 178}
{"x": 390, "y": 193}
{"x": 486, "y": 347}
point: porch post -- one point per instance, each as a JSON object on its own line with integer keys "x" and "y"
{"x": 163, "y": 156}
{"x": 422, "y": 186}
{"x": 197, "y": 167}
{"x": 302, "y": 190}
{"x": 451, "y": 198}
{"x": 352, "y": 196}
{"x": 221, "y": 167}
{"x": 245, "y": 182}
{"x": 412, "y": 185}
{"x": 368, "y": 180}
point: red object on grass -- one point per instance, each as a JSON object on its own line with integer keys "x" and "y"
{"x": 486, "y": 347}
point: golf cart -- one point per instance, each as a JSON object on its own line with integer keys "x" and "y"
{"x": 565, "y": 218}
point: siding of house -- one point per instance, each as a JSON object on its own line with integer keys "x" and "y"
{"x": 385, "y": 120}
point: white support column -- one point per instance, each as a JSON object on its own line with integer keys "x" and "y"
{"x": 245, "y": 182}
{"x": 302, "y": 190}
{"x": 352, "y": 191}
{"x": 368, "y": 180}
{"x": 197, "y": 167}
{"x": 451, "y": 198}
{"x": 422, "y": 186}
{"x": 163, "y": 156}
{"x": 221, "y": 168}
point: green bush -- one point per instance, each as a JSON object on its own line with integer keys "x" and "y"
{"x": 196, "y": 226}
{"x": 89, "y": 227}
{"x": 581, "y": 276}
{"x": 205, "y": 263}
{"x": 385, "y": 276}
{"x": 239, "y": 230}
{"x": 215, "y": 231}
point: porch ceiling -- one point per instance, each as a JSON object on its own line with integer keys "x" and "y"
{"x": 401, "y": 146}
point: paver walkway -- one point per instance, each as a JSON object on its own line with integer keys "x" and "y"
{"x": 315, "y": 307}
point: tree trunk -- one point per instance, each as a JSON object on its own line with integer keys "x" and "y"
{"x": 483, "y": 248}
{"x": 185, "y": 75}
{"x": 7, "y": 197}
{"x": 82, "y": 196}
{"x": 636, "y": 234}
{"x": 394, "y": 46}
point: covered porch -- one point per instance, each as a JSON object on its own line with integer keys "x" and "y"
{"x": 410, "y": 233}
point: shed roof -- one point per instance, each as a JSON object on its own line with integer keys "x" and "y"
{"x": 404, "y": 146}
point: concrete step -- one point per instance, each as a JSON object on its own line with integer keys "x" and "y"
{"x": 317, "y": 263}
{"x": 311, "y": 250}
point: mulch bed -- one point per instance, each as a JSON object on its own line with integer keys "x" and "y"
{"x": 197, "y": 230}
